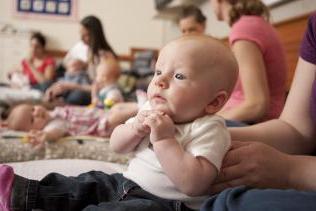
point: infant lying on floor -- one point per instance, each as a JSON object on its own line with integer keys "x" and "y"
{"x": 44, "y": 125}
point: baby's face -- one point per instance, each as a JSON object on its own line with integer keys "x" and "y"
{"x": 182, "y": 84}
{"x": 28, "y": 117}
{"x": 74, "y": 66}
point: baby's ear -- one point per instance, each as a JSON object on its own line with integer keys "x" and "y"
{"x": 217, "y": 103}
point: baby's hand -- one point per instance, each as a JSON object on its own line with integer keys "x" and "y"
{"x": 37, "y": 138}
{"x": 161, "y": 126}
{"x": 139, "y": 126}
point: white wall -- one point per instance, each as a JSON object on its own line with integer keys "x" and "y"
{"x": 220, "y": 29}
{"x": 130, "y": 23}
{"x": 127, "y": 23}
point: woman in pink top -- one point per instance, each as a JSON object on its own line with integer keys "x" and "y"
{"x": 259, "y": 94}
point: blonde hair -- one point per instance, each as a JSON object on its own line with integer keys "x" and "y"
{"x": 247, "y": 7}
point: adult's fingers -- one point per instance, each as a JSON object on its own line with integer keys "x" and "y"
{"x": 238, "y": 144}
{"x": 230, "y": 173}
{"x": 218, "y": 187}
{"x": 236, "y": 153}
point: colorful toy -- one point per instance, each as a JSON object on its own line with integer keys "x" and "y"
{"x": 108, "y": 103}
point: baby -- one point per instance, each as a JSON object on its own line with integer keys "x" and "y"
{"x": 105, "y": 85}
{"x": 75, "y": 74}
{"x": 179, "y": 142}
{"x": 44, "y": 125}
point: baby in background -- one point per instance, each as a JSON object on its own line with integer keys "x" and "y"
{"x": 179, "y": 142}
{"x": 44, "y": 125}
{"x": 105, "y": 85}
{"x": 75, "y": 74}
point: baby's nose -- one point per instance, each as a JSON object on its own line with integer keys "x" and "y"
{"x": 161, "y": 82}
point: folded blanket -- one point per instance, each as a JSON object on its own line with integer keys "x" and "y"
{"x": 14, "y": 149}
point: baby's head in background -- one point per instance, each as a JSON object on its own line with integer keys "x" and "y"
{"x": 26, "y": 117}
{"x": 74, "y": 66}
{"x": 194, "y": 76}
{"x": 107, "y": 72}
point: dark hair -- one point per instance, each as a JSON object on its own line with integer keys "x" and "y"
{"x": 247, "y": 7}
{"x": 40, "y": 38}
{"x": 193, "y": 11}
{"x": 97, "y": 38}
{"x": 5, "y": 111}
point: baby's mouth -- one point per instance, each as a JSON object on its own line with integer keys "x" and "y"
{"x": 158, "y": 98}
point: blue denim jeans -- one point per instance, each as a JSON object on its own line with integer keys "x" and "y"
{"x": 89, "y": 191}
{"x": 245, "y": 199}
{"x": 233, "y": 123}
{"x": 77, "y": 97}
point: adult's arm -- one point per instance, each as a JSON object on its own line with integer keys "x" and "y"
{"x": 258, "y": 165}
{"x": 261, "y": 166}
{"x": 253, "y": 78}
{"x": 293, "y": 132}
{"x": 64, "y": 86}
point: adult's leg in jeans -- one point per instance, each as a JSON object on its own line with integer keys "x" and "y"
{"x": 233, "y": 123}
{"x": 245, "y": 199}
{"x": 57, "y": 192}
{"x": 77, "y": 97}
{"x": 129, "y": 205}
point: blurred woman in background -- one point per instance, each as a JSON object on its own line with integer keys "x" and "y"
{"x": 259, "y": 94}
{"x": 192, "y": 20}
{"x": 99, "y": 50}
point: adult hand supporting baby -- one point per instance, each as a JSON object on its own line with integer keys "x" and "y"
{"x": 253, "y": 164}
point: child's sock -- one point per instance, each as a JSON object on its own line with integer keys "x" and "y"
{"x": 6, "y": 180}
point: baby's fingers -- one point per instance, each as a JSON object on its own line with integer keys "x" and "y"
{"x": 142, "y": 115}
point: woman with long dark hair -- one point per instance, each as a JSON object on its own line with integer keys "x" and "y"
{"x": 99, "y": 50}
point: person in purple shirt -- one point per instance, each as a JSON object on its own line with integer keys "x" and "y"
{"x": 275, "y": 155}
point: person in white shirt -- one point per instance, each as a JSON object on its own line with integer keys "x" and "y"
{"x": 178, "y": 140}
{"x": 78, "y": 51}
{"x": 93, "y": 49}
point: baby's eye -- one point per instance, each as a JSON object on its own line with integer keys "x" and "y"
{"x": 179, "y": 76}
{"x": 158, "y": 72}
